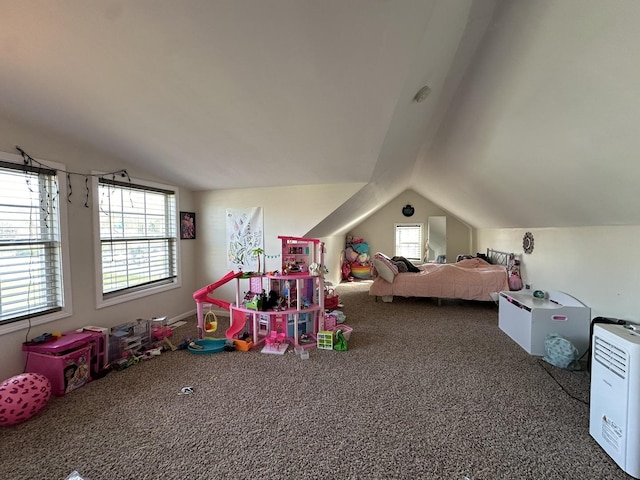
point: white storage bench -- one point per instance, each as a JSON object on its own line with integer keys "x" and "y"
{"x": 528, "y": 320}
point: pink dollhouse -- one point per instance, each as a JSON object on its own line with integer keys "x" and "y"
{"x": 278, "y": 308}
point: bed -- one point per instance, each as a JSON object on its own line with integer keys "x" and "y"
{"x": 468, "y": 279}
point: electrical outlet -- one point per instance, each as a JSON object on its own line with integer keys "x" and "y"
{"x": 528, "y": 286}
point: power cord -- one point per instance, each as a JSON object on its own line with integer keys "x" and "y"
{"x": 541, "y": 363}
{"x": 32, "y": 222}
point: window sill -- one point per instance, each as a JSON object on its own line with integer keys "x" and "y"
{"x": 127, "y": 297}
{"x": 28, "y": 323}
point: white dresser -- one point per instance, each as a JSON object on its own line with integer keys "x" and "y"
{"x": 528, "y": 320}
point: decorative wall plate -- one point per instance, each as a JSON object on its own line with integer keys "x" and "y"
{"x": 408, "y": 210}
{"x": 527, "y": 242}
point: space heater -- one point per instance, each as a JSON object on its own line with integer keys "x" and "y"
{"x": 614, "y": 417}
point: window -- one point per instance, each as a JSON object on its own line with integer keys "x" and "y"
{"x": 33, "y": 244}
{"x": 409, "y": 240}
{"x": 137, "y": 239}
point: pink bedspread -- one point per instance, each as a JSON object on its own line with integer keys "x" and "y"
{"x": 471, "y": 279}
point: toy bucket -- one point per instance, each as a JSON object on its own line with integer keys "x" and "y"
{"x": 331, "y": 300}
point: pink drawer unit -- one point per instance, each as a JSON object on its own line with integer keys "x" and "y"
{"x": 65, "y": 361}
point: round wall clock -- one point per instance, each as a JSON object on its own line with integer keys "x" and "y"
{"x": 408, "y": 210}
{"x": 527, "y": 242}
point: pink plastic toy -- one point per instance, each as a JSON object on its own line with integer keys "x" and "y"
{"x": 203, "y": 296}
{"x": 22, "y": 397}
{"x": 276, "y": 339}
{"x": 65, "y": 361}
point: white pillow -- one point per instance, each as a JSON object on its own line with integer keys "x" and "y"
{"x": 384, "y": 267}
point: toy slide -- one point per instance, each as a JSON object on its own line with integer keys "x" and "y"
{"x": 202, "y": 296}
{"x": 237, "y": 324}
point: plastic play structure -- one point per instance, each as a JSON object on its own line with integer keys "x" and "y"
{"x": 203, "y": 296}
{"x": 277, "y": 308}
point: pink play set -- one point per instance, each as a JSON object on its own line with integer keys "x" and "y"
{"x": 279, "y": 308}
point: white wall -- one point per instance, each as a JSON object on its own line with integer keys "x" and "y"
{"x": 175, "y": 303}
{"x": 378, "y": 229}
{"x": 545, "y": 118}
{"x": 335, "y": 245}
{"x": 597, "y": 265}
{"x": 290, "y": 211}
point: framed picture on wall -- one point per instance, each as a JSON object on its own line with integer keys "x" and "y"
{"x": 187, "y": 225}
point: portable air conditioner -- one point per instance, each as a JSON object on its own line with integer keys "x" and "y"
{"x": 614, "y": 417}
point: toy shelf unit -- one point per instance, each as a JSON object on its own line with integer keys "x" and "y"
{"x": 134, "y": 338}
{"x": 128, "y": 339}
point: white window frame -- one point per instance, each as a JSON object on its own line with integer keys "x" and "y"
{"x": 66, "y": 309}
{"x": 107, "y": 300}
{"x": 398, "y": 248}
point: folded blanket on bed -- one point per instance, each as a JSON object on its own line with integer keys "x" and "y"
{"x": 409, "y": 267}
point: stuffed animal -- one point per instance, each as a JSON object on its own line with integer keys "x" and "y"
{"x": 363, "y": 258}
{"x": 350, "y": 255}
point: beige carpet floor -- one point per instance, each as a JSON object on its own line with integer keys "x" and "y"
{"x": 424, "y": 392}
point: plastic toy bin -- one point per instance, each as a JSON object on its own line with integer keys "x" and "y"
{"x": 346, "y": 331}
{"x": 64, "y": 361}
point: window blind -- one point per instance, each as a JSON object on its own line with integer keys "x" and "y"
{"x": 30, "y": 245}
{"x": 137, "y": 236}
{"x": 409, "y": 241}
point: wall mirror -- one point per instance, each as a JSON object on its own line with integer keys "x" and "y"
{"x": 437, "y": 239}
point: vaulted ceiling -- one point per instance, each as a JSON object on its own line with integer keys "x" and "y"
{"x": 530, "y": 120}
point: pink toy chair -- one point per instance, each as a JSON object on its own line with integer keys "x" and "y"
{"x": 275, "y": 339}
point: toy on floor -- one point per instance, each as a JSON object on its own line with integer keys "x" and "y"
{"x": 168, "y": 345}
{"x": 244, "y": 343}
{"x": 158, "y": 329}
{"x": 185, "y": 343}
{"x": 276, "y": 339}
{"x": 207, "y": 345}
{"x": 304, "y": 353}
{"x": 355, "y": 259}
{"x": 186, "y": 391}
{"x": 22, "y": 397}
{"x": 341, "y": 341}
{"x": 325, "y": 340}
{"x": 275, "y": 342}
